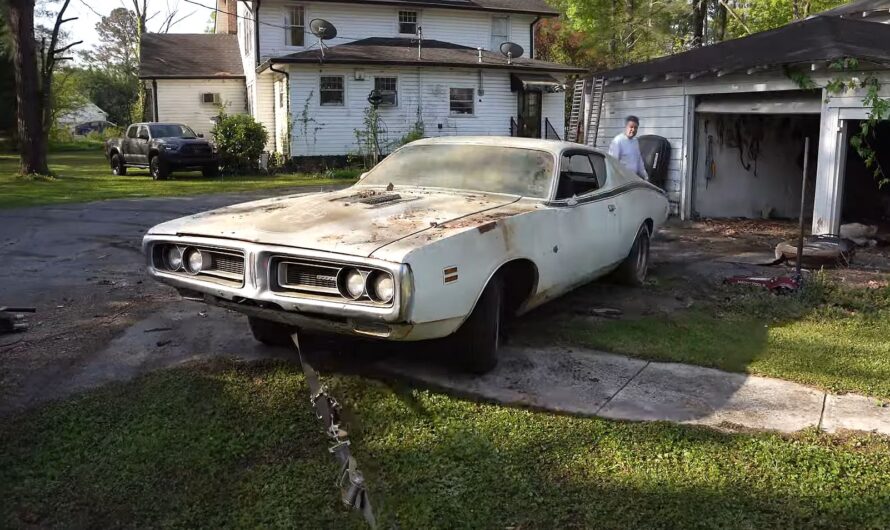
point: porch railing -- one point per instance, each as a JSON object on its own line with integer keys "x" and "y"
{"x": 514, "y": 127}
{"x": 549, "y": 132}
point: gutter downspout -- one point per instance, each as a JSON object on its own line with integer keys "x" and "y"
{"x": 531, "y": 37}
{"x": 286, "y": 74}
{"x": 154, "y": 97}
{"x": 256, "y": 31}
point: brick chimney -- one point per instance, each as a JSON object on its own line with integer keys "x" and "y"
{"x": 226, "y": 16}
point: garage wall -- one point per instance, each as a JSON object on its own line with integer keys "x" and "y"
{"x": 759, "y": 177}
{"x": 179, "y": 100}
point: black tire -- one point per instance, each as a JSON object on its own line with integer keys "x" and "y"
{"x": 476, "y": 343}
{"x": 271, "y": 333}
{"x": 633, "y": 269}
{"x": 158, "y": 169}
{"x": 118, "y": 167}
{"x": 210, "y": 171}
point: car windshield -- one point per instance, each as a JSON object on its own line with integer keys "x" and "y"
{"x": 486, "y": 168}
{"x": 171, "y": 131}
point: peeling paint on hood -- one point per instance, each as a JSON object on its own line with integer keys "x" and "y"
{"x": 354, "y": 221}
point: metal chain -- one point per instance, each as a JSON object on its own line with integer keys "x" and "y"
{"x": 350, "y": 480}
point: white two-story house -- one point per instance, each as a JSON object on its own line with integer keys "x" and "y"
{"x": 430, "y": 64}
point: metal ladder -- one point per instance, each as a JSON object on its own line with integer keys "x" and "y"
{"x": 577, "y": 110}
{"x": 592, "y": 124}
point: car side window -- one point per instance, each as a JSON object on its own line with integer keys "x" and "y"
{"x": 599, "y": 169}
{"x": 576, "y": 176}
{"x": 131, "y": 132}
{"x": 143, "y": 131}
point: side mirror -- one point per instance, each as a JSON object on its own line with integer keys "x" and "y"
{"x": 573, "y": 201}
{"x": 200, "y": 135}
{"x": 143, "y": 136}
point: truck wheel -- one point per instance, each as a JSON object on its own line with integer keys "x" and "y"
{"x": 117, "y": 165}
{"x": 158, "y": 169}
{"x": 633, "y": 269}
{"x": 210, "y": 171}
{"x": 476, "y": 342}
{"x": 271, "y": 333}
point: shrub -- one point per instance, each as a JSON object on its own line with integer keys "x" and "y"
{"x": 240, "y": 140}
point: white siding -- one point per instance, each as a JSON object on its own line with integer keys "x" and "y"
{"x": 355, "y": 22}
{"x": 330, "y": 130}
{"x": 179, "y": 100}
{"x": 264, "y": 104}
{"x": 554, "y": 109}
{"x": 281, "y": 116}
{"x": 661, "y": 112}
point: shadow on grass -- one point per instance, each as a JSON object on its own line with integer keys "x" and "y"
{"x": 237, "y": 445}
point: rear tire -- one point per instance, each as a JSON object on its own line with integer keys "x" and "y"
{"x": 210, "y": 171}
{"x": 117, "y": 165}
{"x": 476, "y": 342}
{"x": 633, "y": 269}
{"x": 271, "y": 333}
{"x": 158, "y": 169}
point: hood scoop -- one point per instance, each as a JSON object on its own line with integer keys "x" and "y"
{"x": 374, "y": 198}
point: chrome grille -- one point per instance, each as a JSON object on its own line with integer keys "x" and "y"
{"x": 311, "y": 277}
{"x": 227, "y": 263}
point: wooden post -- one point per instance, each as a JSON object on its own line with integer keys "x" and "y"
{"x": 803, "y": 202}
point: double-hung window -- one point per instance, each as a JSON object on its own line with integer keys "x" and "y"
{"x": 461, "y": 101}
{"x": 387, "y": 88}
{"x": 295, "y": 26}
{"x": 407, "y": 22}
{"x": 500, "y": 31}
{"x": 331, "y": 91}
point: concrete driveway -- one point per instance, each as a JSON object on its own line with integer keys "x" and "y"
{"x": 101, "y": 320}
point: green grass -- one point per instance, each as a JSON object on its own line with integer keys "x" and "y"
{"x": 84, "y": 175}
{"x": 237, "y": 446}
{"x": 832, "y": 337}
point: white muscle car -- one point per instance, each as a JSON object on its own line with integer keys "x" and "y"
{"x": 445, "y": 237}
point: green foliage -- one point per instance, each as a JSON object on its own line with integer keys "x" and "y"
{"x": 370, "y": 138}
{"x": 240, "y": 140}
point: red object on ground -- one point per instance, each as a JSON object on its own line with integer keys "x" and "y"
{"x": 778, "y": 284}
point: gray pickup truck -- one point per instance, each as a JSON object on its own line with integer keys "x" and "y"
{"x": 162, "y": 148}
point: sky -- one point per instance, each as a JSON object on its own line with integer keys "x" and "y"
{"x": 84, "y": 28}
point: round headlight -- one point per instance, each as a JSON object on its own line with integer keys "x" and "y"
{"x": 194, "y": 261}
{"x": 382, "y": 287}
{"x": 174, "y": 258}
{"x": 353, "y": 283}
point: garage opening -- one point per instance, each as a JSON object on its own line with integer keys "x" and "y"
{"x": 864, "y": 200}
{"x": 749, "y": 151}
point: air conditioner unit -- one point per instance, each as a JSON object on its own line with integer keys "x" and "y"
{"x": 210, "y": 97}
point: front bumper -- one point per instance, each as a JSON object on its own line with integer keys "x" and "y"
{"x": 177, "y": 159}
{"x": 255, "y": 296}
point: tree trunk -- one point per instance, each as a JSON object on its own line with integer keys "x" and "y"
{"x": 27, "y": 90}
{"x": 699, "y": 16}
{"x": 720, "y": 22}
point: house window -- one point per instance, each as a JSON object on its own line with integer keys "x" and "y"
{"x": 296, "y": 26}
{"x": 331, "y": 90}
{"x": 500, "y": 31}
{"x": 461, "y": 101}
{"x": 387, "y": 87}
{"x": 281, "y": 95}
{"x": 408, "y": 22}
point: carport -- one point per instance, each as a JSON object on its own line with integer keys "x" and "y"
{"x": 736, "y": 114}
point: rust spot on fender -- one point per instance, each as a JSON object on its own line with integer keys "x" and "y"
{"x": 487, "y": 227}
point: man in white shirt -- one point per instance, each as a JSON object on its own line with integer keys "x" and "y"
{"x": 626, "y": 148}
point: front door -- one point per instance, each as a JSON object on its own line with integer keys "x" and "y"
{"x": 529, "y": 114}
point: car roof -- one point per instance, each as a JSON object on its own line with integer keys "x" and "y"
{"x": 554, "y": 146}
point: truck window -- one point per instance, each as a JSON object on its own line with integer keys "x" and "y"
{"x": 131, "y": 132}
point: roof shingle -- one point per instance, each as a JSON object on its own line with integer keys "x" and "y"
{"x": 190, "y": 55}
{"x": 534, "y": 7}
{"x": 403, "y": 52}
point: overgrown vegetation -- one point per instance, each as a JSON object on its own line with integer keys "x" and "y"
{"x": 234, "y": 445}
{"x": 828, "y": 335}
{"x": 240, "y": 140}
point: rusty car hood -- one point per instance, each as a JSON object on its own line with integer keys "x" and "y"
{"x": 354, "y": 221}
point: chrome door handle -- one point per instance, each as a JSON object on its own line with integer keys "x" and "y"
{"x": 611, "y": 207}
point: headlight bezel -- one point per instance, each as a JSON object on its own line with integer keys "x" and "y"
{"x": 168, "y": 262}
{"x": 373, "y": 287}
{"x": 187, "y": 264}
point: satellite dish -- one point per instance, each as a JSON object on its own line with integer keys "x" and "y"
{"x": 323, "y": 29}
{"x": 511, "y": 50}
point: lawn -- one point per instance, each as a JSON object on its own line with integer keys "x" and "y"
{"x": 237, "y": 446}
{"x": 84, "y": 175}
{"x": 834, "y": 337}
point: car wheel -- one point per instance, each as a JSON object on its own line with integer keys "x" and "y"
{"x": 117, "y": 165}
{"x": 158, "y": 169}
{"x": 633, "y": 269}
{"x": 271, "y": 333}
{"x": 210, "y": 171}
{"x": 476, "y": 342}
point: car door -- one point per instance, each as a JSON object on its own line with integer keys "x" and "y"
{"x": 128, "y": 146}
{"x": 588, "y": 224}
{"x": 140, "y": 151}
